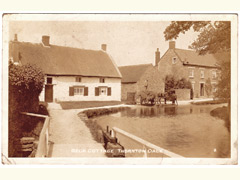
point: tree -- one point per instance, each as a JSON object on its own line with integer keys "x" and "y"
{"x": 208, "y": 87}
{"x": 213, "y": 38}
{"x": 172, "y": 82}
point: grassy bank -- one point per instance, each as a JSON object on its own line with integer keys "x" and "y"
{"x": 97, "y": 112}
{"x": 222, "y": 113}
{"x": 87, "y": 104}
{"x": 219, "y": 101}
{"x": 94, "y": 128}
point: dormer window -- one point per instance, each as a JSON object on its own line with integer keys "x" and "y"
{"x": 174, "y": 60}
{"x": 102, "y": 80}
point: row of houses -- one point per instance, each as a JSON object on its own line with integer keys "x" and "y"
{"x": 73, "y": 74}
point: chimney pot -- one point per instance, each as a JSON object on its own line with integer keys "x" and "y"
{"x": 104, "y": 47}
{"x": 45, "y": 40}
{"x": 172, "y": 44}
{"x": 157, "y": 57}
{"x": 15, "y": 37}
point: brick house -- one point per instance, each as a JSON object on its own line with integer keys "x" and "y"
{"x": 137, "y": 78}
{"x": 71, "y": 74}
{"x": 200, "y": 70}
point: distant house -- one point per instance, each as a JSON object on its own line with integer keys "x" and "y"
{"x": 200, "y": 70}
{"x": 71, "y": 74}
{"x": 137, "y": 78}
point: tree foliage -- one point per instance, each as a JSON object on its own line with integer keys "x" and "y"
{"x": 26, "y": 78}
{"x": 208, "y": 87}
{"x": 25, "y": 85}
{"x": 172, "y": 83}
{"x": 213, "y": 36}
{"x": 224, "y": 81}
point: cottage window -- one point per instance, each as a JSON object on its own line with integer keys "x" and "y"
{"x": 49, "y": 80}
{"x": 174, "y": 60}
{"x": 214, "y": 74}
{"x": 78, "y": 90}
{"x": 102, "y": 80}
{"x": 191, "y": 72}
{"x": 103, "y": 90}
{"x": 78, "y": 79}
{"x": 202, "y": 73}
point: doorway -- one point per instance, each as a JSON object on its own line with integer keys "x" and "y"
{"x": 48, "y": 92}
{"x": 201, "y": 89}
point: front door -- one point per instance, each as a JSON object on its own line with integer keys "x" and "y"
{"x": 48, "y": 93}
{"x": 201, "y": 89}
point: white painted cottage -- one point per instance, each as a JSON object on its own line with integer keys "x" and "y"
{"x": 72, "y": 74}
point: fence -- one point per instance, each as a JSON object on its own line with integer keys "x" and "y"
{"x": 43, "y": 148}
{"x": 146, "y": 146}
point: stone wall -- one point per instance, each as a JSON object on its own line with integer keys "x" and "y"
{"x": 128, "y": 87}
{"x": 155, "y": 81}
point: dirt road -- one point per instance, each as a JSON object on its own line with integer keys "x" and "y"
{"x": 71, "y": 137}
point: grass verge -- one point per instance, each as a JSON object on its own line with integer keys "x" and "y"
{"x": 87, "y": 104}
{"x": 222, "y": 113}
{"x": 219, "y": 101}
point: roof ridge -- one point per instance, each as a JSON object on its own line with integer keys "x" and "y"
{"x": 136, "y": 65}
{"x": 57, "y": 46}
{"x": 185, "y": 49}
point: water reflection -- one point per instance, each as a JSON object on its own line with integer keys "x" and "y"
{"x": 186, "y": 130}
{"x": 170, "y": 110}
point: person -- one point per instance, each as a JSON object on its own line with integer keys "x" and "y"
{"x": 165, "y": 98}
{"x": 174, "y": 98}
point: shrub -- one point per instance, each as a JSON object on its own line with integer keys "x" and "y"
{"x": 97, "y": 112}
{"x": 25, "y": 85}
{"x": 172, "y": 83}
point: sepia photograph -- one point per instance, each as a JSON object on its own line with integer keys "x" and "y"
{"x": 142, "y": 89}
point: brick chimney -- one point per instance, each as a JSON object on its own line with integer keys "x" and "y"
{"x": 15, "y": 37}
{"x": 172, "y": 44}
{"x": 104, "y": 47}
{"x": 157, "y": 57}
{"x": 45, "y": 40}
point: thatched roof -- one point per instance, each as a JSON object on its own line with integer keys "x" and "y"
{"x": 59, "y": 60}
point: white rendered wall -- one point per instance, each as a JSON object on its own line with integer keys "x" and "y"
{"x": 62, "y": 84}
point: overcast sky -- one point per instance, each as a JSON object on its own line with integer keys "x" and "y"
{"x": 128, "y": 42}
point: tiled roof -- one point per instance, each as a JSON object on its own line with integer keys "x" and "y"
{"x": 193, "y": 58}
{"x": 131, "y": 74}
{"x": 59, "y": 60}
